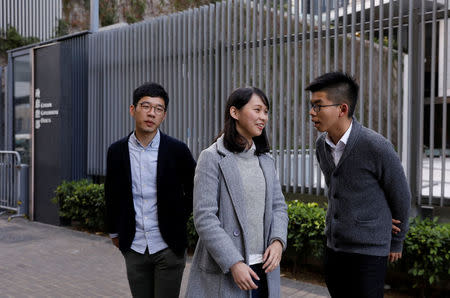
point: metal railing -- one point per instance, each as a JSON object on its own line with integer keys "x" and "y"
{"x": 10, "y": 179}
{"x": 397, "y": 50}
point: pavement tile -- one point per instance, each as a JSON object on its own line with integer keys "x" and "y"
{"x": 40, "y": 260}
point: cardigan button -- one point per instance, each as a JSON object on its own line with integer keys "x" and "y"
{"x": 236, "y": 233}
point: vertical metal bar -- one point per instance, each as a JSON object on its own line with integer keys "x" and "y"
{"x": 336, "y": 35}
{"x": 311, "y": 77}
{"x": 194, "y": 100}
{"x": 371, "y": 48}
{"x": 414, "y": 107}
{"x": 260, "y": 53}
{"x": 400, "y": 77}
{"x": 353, "y": 50}
{"x": 327, "y": 38}
{"x": 223, "y": 67}
{"x": 274, "y": 81}
{"x": 389, "y": 76}
{"x": 419, "y": 164}
{"x": 266, "y": 37}
{"x": 362, "y": 46}
{"x": 296, "y": 83}
{"x": 344, "y": 36}
{"x": 204, "y": 109}
{"x": 247, "y": 44}
{"x": 380, "y": 70}
{"x": 185, "y": 76}
{"x": 281, "y": 94}
{"x": 303, "y": 109}
{"x": 319, "y": 72}
{"x": 235, "y": 47}
{"x": 217, "y": 68}
{"x": 254, "y": 48}
{"x": 190, "y": 58}
{"x": 444, "y": 106}
{"x": 319, "y": 38}
{"x": 432, "y": 105}
{"x": 212, "y": 78}
{"x": 289, "y": 153}
{"x": 229, "y": 65}
{"x": 241, "y": 42}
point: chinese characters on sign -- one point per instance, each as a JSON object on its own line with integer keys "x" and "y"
{"x": 43, "y": 112}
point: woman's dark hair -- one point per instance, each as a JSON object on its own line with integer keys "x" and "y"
{"x": 232, "y": 140}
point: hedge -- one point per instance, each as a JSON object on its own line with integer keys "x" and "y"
{"x": 83, "y": 202}
{"x": 426, "y": 248}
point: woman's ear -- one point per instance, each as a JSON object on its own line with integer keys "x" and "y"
{"x": 234, "y": 113}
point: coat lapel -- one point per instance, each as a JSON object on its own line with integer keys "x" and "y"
{"x": 126, "y": 161}
{"x": 162, "y": 150}
{"x": 328, "y": 156}
{"x": 233, "y": 183}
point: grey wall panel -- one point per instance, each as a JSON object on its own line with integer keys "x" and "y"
{"x": 31, "y": 18}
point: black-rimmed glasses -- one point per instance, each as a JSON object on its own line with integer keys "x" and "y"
{"x": 316, "y": 107}
{"x": 147, "y": 108}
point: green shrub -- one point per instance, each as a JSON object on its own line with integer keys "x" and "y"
{"x": 306, "y": 228}
{"x": 427, "y": 252}
{"x": 191, "y": 234}
{"x": 82, "y": 201}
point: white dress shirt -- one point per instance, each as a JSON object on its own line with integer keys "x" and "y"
{"x": 144, "y": 161}
{"x": 338, "y": 149}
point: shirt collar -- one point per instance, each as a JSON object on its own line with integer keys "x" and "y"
{"x": 154, "y": 144}
{"x": 343, "y": 140}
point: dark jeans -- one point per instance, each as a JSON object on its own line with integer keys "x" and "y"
{"x": 154, "y": 275}
{"x": 261, "y": 291}
{"x": 354, "y": 275}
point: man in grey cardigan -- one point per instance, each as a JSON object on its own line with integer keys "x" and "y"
{"x": 367, "y": 189}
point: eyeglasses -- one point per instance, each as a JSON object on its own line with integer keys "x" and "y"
{"x": 316, "y": 107}
{"x": 147, "y": 107}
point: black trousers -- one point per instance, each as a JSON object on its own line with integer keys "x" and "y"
{"x": 354, "y": 275}
{"x": 262, "y": 290}
{"x": 154, "y": 275}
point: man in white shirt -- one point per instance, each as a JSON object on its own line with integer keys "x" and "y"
{"x": 148, "y": 192}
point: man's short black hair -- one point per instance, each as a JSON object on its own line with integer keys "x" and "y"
{"x": 150, "y": 89}
{"x": 340, "y": 88}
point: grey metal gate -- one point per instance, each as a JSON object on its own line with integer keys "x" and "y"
{"x": 398, "y": 51}
{"x": 10, "y": 188}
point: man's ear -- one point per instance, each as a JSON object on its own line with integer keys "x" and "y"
{"x": 344, "y": 109}
{"x": 234, "y": 113}
{"x": 132, "y": 110}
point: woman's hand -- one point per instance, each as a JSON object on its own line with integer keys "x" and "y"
{"x": 272, "y": 256}
{"x": 242, "y": 275}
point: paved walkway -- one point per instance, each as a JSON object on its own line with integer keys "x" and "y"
{"x": 39, "y": 260}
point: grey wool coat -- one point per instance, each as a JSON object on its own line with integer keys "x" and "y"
{"x": 221, "y": 223}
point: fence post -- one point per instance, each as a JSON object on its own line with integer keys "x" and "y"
{"x": 414, "y": 106}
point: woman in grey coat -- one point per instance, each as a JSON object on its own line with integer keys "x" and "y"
{"x": 239, "y": 209}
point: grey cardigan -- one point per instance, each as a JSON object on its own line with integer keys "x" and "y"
{"x": 221, "y": 223}
{"x": 366, "y": 190}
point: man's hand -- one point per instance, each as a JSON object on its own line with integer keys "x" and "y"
{"x": 272, "y": 256}
{"x": 394, "y": 256}
{"x": 242, "y": 275}
{"x": 115, "y": 241}
{"x": 395, "y": 229}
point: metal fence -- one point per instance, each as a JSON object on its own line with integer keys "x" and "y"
{"x": 397, "y": 50}
{"x": 31, "y": 18}
{"x": 10, "y": 187}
